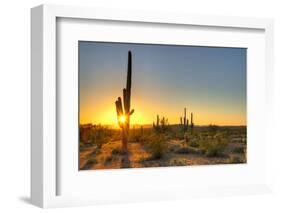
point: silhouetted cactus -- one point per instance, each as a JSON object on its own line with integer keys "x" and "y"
{"x": 164, "y": 122}
{"x": 156, "y": 125}
{"x": 191, "y": 123}
{"x": 123, "y": 116}
{"x": 184, "y": 118}
{"x": 184, "y": 121}
{"x": 160, "y": 125}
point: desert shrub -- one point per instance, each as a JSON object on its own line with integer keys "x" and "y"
{"x": 213, "y": 129}
{"x": 142, "y": 159}
{"x": 194, "y": 143}
{"x": 171, "y": 149}
{"x": 157, "y": 146}
{"x": 92, "y": 161}
{"x": 169, "y": 135}
{"x": 147, "y": 138}
{"x": 183, "y": 150}
{"x": 239, "y": 150}
{"x": 188, "y": 150}
{"x": 179, "y": 135}
{"x": 118, "y": 151}
{"x": 95, "y": 134}
{"x": 235, "y": 159}
{"x": 108, "y": 159}
{"x": 178, "y": 162}
{"x": 83, "y": 146}
{"x": 100, "y": 135}
{"x": 115, "y": 135}
{"x": 135, "y": 136}
{"x": 214, "y": 148}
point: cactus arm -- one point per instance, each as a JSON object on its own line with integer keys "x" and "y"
{"x": 117, "y": 108}
{"x": 125, "y": 100}
{"x": 120, "y": 106}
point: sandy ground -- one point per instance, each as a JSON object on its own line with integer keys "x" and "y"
{"x": 138, "y": 156}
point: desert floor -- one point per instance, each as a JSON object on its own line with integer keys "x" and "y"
{"x": 177, "y": 153}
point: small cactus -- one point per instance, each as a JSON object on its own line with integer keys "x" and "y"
{"x": 160, "y": 125}
{"x": 184, "y": 121}
{"x": 191, "y": 123}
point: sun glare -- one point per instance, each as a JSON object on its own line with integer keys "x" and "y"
{"x": 122, "y": 119}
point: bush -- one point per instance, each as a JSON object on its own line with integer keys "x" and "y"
{"x": 84, "y": 146}
{"x": 188, "y": 150}
{"x": 214, "y": 148}
{"x": 92, "y": 161}
{"x": 194, "y": 144}
{"x": 118, "y": 151}
{"x": 142, "y": 159}
{"x": 171, "y": 149}
{"x": 108, "y": 159}
{"x": 239, "y": 150}
{"x": 135, "y": 136}
{"x": 100, "y": 135}
{"x": 213, "y": 129}
{"x": 178, "y": 162}
{"x": 235, "y": 159}
{"x": 157, "y": 146}
{"x": 179, "y": 135}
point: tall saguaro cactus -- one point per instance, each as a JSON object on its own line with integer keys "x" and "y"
{"x": 123, "y": 116}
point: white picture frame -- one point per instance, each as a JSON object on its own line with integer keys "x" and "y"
{"x": 45, "y": 171}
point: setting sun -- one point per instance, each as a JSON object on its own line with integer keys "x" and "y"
{"x": 122, "y": 118}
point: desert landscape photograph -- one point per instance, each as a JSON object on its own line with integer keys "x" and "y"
{"x": 152, "y": 105}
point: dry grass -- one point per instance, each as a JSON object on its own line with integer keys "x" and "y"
{"x": 151, "y": 149}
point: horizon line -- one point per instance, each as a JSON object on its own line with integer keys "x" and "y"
{"x": 167, "y": 124}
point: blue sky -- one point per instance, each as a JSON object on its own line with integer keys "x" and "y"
{"x": 209, "y": 81}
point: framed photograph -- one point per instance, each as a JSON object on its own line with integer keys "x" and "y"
{"x": 129, "y": 106}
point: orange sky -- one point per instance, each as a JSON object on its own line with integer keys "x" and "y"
{"x": 105, "y": 113}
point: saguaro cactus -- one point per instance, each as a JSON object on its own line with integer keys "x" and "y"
{"x": 184, "y": 121}
{"x": 160, "y": 125}
{"x": 181, "y": 121}
{"x": 123, "y": 116}
{"x": 156, "y": 125}
{"x": 191, "y": 123}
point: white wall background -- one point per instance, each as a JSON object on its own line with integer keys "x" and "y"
{"x": 15, "y": 104}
